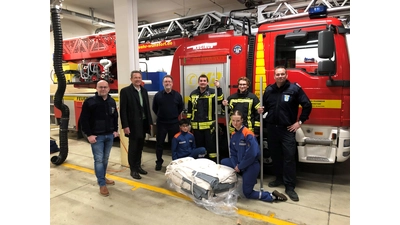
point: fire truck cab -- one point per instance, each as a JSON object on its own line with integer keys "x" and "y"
{"x": 315, "y": 53}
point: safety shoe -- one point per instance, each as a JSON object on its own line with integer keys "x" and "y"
{"x": 110, "y": 182}
{"x": 142, "y": 171}
{"x": 279, "y": 196}
{"x": 292, "y": 195}
{"x": 104, "y": 191}
{"x": 275, "y": 183}
{"x": 158, "y": 167}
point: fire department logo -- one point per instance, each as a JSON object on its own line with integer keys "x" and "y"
{"x": 237, "y": 49}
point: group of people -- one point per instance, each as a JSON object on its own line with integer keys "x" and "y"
{"x": 281, "y": 100}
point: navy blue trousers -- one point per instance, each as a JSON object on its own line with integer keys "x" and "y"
{"x": 282, "y": 146}
{"x": 249, "y": 177}
{"x": 162, "y": 130}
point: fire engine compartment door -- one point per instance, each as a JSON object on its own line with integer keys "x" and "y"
{"x": 215, "y": 67}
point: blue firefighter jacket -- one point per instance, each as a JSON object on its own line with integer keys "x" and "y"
{"x": 244, "y": 148}
{"x": 182, "y": 145}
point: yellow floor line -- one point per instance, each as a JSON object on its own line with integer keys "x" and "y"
{"x": 270, "y": 219}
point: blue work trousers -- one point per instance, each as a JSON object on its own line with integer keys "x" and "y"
{"x": 249, "y": 176}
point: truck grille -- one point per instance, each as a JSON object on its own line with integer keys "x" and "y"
{"x": 318, "y": 141}
{"x": 317, "y": 159}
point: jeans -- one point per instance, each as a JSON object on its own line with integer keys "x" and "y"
{"x": 101, "y": 152}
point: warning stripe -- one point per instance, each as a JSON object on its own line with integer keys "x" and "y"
{"x": 327, "y": 104}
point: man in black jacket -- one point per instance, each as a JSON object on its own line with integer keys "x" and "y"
{"x": 201, "y": 113}
{"x": 281, "y": 101}
{"x": 135, "y": 120}
{"x": 167, "y": 105}
{"x": 99, "y": 122}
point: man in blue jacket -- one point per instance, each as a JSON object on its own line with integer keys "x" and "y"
{"x": 99, "y": 122}
{"x": 281, "y": 101}
{"x": 183, "y": 143}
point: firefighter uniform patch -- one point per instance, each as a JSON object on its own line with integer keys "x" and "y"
{"x": 286, "y": 98}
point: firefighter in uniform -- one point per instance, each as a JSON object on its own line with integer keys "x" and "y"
{"x": 281, "y": 101}
{"x": 201, "y": 113}
{"x": 245, "y": 160}
{"x": 247, "y": 103}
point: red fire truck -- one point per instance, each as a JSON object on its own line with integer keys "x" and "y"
{"x": 309, "y": 39}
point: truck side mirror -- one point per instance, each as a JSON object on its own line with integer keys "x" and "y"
{"x": 326, "y": 44}
{"x": 326, "y": 67}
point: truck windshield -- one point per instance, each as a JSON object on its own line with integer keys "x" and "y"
{"x": 300, "y": 54}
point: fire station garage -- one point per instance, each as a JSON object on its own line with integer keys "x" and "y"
{"x": 225, "y": 40}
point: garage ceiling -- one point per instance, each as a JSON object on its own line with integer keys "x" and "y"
{"x": 151, "y": 10}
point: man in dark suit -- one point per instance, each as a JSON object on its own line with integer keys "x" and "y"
{"x": 136, "y": 120}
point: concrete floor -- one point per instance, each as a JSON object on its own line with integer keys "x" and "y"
{"x": 324, "y": 192}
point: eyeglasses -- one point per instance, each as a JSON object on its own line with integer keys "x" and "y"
{"x": 242, "y": 84}
{"x": 103, "y": 87}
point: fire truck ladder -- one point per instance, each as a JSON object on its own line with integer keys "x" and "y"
{"x": 286, "y": 9}
{"x": 242, "y": 21}
{"x": 185, "y": 27}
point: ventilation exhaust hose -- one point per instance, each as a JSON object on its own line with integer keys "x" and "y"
{"x": 61, "y": 86}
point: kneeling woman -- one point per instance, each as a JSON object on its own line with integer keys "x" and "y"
{"x": 244, "y": 159}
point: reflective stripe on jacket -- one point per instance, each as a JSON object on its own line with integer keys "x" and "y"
{"x": 201, "y": 107}
{"x": 247, "y": 103}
